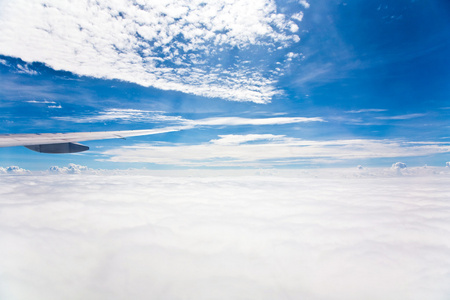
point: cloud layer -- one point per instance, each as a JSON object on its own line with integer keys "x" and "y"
{"x": 221, "y": 237}
{"x": 265, "y": 150}
{"x": 209, "y": 48}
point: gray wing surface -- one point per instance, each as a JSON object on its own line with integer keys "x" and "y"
{"x": 67, "y": 142}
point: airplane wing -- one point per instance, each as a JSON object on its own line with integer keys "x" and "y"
{"x": 67, "y": 142}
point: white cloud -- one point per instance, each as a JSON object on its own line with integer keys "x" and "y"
{"x": 399, "y": 165}
{"x": 291, "y": 55}
{"x": 208, "y": 237}
{"x": 21, "y": 68}
{"x": 401, "y": 117}
{"x": 298, "y": 16}
{"x": 70, "y": 169}
{"x": 41, "y": 102}
{"x": 24, "y": 69}
{"x": 45, "y": 102}
{"x": 170, "y": 45}
{"x": 232, "y": 140}
{"x": 13, "y": 170}
{"x": 253, "y": 121}
{"x": 136, "y": 115}
{"x": 115, "y": 114}
{"x": 366, "y": 110}
{"x": 293, "y": 27}
{"x": 270, "y": 150}
{"x": 304, "y": 3}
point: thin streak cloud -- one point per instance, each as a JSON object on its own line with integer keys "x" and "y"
{"x": 136, "y": 115}
{"x": 367, "y": 110}
{"x": 401, "y": 117}
{"x": 41, "y": 102}
{"x": 256, "y": 121}
{"x": 269, "y": 150}
{"x": 115, "y": 114}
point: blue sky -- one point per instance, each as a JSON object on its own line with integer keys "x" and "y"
{"x": 264, "y": 84}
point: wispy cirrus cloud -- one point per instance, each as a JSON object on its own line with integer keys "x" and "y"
{"x": 20, "y": 67}
{"x": 203, "y": 48}
{"x": 270, "y": 150}
{"x": 230, "y": 121}
{"x": 137, "y": 115}
{"x": 401, "y": 117}
{"x": 367, "y": 110}
{"x": 25, "y": 69}
{"x": 116, "y": 114}
{"x": 40, "y": 102}
{"x": 50, "y": 104}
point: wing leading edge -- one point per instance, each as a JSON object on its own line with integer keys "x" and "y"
{"x": 67, "y": 142}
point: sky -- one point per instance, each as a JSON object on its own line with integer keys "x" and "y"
{"x": 262, "y": 84}
{"x": 311, "y": 158}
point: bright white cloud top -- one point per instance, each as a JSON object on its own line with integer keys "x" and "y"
{"x": 172, "y": 45}
{"x": 300, "y": 235}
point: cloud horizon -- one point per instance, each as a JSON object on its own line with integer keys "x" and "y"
{"x": 98, "y": 236}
